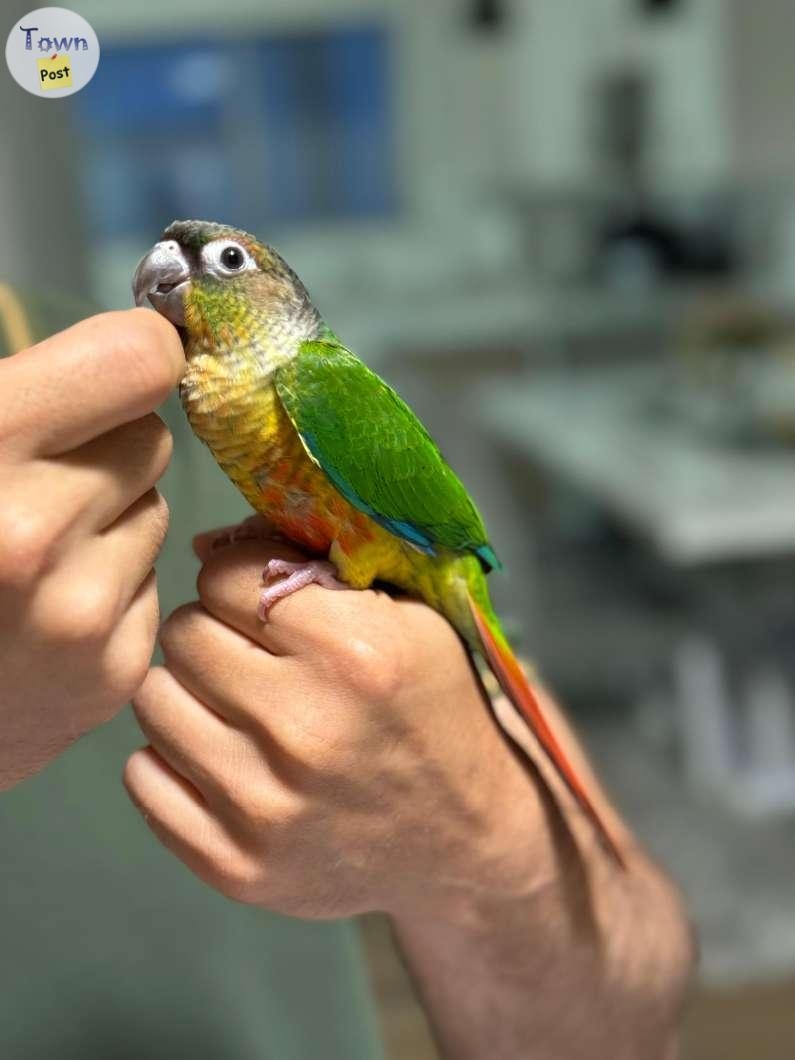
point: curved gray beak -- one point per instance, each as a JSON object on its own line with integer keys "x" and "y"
{"x": 163, "y": 277}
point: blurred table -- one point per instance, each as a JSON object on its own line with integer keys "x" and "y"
{"x": 694, "y": 500}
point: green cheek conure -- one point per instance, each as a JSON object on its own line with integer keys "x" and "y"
{"x": 325, "y": 450}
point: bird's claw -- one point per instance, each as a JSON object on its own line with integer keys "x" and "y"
{"x": 283, "y": 578}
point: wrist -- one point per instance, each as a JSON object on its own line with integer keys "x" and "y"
{"x": 540, "y": 937}
{"x": 502, "y": 858}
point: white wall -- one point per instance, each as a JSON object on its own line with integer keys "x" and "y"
{"x": 182, "y": 17}
{"x": 691, "y": 135}
{"x": 553, "y": 57}
{"x": 564, "y": 47}
{"x": 763, "y": 88}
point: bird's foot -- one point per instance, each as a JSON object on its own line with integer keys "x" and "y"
{"x": 283, "y": 578}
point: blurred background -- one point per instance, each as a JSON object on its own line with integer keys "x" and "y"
{"x": 565, "y": 230}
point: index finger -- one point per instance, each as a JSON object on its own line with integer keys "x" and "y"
{"x": 74, "y": 386}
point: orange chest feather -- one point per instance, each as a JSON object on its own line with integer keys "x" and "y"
{"x": 240, "y": 417}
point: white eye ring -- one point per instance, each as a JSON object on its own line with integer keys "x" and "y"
{"x": 212, "y": 258}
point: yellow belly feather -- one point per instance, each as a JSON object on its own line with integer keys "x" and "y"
{"x": 239, "y": 415}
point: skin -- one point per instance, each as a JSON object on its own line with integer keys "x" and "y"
{"x": 80, "y": 527}
{"x": 338, "y": 759}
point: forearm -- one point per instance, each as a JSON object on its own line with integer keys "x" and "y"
{"x": 587, "y": 960}
{"x": 535, "y": 979}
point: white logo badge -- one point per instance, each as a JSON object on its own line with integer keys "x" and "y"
{"x": 52, "y": 52}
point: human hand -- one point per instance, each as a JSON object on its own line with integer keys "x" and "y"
{"x": 80, "y": 527}
{"x": 341, "y": 758}
{"x": 337, "y": 759}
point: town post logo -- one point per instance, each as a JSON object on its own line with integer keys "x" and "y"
{"x": 52, "y": 52}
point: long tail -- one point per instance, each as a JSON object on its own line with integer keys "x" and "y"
{"x": 517, "y": 688}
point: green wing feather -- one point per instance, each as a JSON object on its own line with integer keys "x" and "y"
{"x": 376, "y": 452}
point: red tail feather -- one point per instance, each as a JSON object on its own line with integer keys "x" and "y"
{"x": 518, "y": 689}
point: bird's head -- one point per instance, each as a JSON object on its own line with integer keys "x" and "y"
{"x": 222, "y": 287}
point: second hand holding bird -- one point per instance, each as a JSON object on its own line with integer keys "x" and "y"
{"x": 338, "y": 759}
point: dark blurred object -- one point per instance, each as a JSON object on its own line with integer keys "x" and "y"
{"x": 639, "y": 244}
{"x": 488, "y": 16}
{"x": 734, "y": 379}
{"x": 621, "y": 121}
{"x": 660, "y": 7}
{"x": 644, "y": 247}
{"x": 729, "y": 320}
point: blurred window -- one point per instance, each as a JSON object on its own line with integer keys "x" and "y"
{"x": 282, "y": 128}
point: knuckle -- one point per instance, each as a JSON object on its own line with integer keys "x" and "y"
{"x": 216, "y": 576}
{"x": 26, "y": 544}
{"x": 207, "y": 579}
{"x": 154, "y": 432}
{"x": 134, "y": 772}
{"x": 152, "y": 436}
{"x": 92, "y": 610}
{"x": 163, "y": 511}
{"x": 164, "y": 450}
{"x": 263, "y": 810}
{"x": 236, "y": 875}
{"x": 374, "y": 672}
{"x": 178, "y": 628}
{"x": 158, "y": 515}
{"x": 124, "y": 669}
{"x": 292, "y": 816}
{"x": 150, "y": 693}
{"x": 254, "y": 811}
{"x": 84, "y": 611}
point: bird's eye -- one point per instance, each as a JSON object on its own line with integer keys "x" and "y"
{"x": 232, "y": 258}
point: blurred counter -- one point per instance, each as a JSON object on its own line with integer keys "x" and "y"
{"x": 693, "y": 497}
